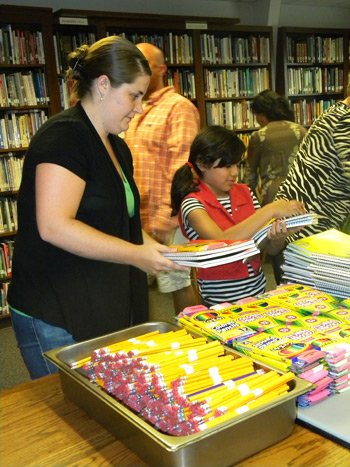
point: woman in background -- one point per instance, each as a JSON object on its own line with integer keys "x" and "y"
{"x": 80, "y": 258}
{"x": 271, "y": 152}
{"x": 271, "y": 149}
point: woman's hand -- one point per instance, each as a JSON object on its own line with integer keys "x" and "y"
{"x": 149, "y": 258}
{"x": 283, "y": 208}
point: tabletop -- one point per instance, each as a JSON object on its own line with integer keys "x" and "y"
{"x": 41, "y": 427}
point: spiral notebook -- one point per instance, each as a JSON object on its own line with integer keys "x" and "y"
{"x": 205, "y": 254}
{"x": 294, "y": 221}
{"x": 321, "y": 261}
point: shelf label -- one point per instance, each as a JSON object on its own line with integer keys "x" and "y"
{"x": 74, "y": 20}
{"x": 196, "y": 25}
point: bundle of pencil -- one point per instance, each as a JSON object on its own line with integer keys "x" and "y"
{"x": 180, "y": 384}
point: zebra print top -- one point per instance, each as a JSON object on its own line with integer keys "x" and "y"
{"x": 320, "y": 174}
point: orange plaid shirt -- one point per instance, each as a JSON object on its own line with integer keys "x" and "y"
{"x": 159, "y": 140}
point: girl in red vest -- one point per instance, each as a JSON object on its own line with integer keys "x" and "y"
{"x": 211, "y": 205}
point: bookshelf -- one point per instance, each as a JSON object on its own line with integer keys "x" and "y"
{"x": 236, "y": 66}
{"x": 69, "y": 34}
{"x": 202, "y": 56}
{"x": 26, "y": 84}
{"x": 177, "y": 36}
{"x": 312, "y": 69}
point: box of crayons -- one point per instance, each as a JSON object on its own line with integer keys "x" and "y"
{"x": 179, "y": 399}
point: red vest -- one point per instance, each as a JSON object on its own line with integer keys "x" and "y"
{"x": 242, "y": 207}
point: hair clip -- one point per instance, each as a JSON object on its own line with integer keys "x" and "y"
{"x": 78, "y": 64}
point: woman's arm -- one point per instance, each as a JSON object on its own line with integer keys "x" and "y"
{"x": 207, "y": 229}
{"x": 58, "y": 195}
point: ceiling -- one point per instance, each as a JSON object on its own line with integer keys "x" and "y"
{"x": 313, "y": 3}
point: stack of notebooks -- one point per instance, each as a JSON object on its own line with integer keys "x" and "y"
{"x": 209, "y": 253}
{"x": 291, "y": 222}
{"x": 321, "y": 261}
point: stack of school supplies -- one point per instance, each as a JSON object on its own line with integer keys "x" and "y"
{"x": 181, "y": 384}
{"x": 338, "y": 363}
{"x": 293, "y": 329}
{"x": 294, "y": 221}
{"x": 209, "y": 253}
{"x": 321, "y": 261}
{"x": 311, "y": 367}
{"x": 216, "y": 324}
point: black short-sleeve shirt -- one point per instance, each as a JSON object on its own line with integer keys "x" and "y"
{"x": 87, "y": 297}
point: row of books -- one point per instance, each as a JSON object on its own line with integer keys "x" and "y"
{"x": 6, "y": 253}
{"x": 232, "y": 115}
{"x": 8, "y": 215}
{"x": 183, "y": 80}
{"x": 4, "y": 307}
{"x": 18, "y": 127}
{"x": 11, "y": 168}
{"x": 315, "y": 50}
{"x": 228, "y": 50}
{"x": 64, "y": 44}
{"x": 315, "y": 80}
{"x": 21, "y": 46}
{"x": 321, "y": 261}
{"x": 225, "y": 83}
{"x": 177, "y": 48}
{"x": 23, "y": 88}
{"x": 307, "y": 111}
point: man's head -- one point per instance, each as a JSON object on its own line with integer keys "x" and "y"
{"x": 155, "y": 59}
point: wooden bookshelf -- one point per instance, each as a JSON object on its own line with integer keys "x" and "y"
{"x": 188, "y": 69}
{"x": 312, "y": 69}
{"x": 28, "y": 90}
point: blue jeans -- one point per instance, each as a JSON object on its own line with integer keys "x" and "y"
{"x": 34, "y": 337}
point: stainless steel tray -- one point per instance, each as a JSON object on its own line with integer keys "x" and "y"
{"x": 223, "y": 445}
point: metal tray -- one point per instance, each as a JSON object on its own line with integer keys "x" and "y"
{"x": 223, "y": 445}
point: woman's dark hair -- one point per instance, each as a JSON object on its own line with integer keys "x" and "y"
{"x": 274, "y": 106}
{"x": 113, "y": 56}
{"x": 211, "y": 143}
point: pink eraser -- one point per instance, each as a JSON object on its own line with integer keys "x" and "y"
{"x": 246, "y": 300}
{"x": 221, "y": 306}
{"x": 315, "y": 377}
{"x": 319, "y": 396}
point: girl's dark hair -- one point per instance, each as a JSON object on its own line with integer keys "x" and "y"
{"x": 274, "y": 106}
{"x": 210, "y": 144}
{"x": 113, "y": 56}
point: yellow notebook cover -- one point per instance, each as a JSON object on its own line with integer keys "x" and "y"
{"x": 331, "y": 242}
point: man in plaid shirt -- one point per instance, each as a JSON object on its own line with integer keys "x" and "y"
{"x": 160, "y": 140}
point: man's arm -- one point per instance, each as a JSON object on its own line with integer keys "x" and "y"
{"x": 183, "y": 126}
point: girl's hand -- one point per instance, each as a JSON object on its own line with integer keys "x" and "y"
{"x": 277, "y": 234}
{"x": 149, "y": 259}
{"x": 278, "y": 231}
{"x": 283, "y": 208}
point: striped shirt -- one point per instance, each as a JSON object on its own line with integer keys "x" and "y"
{"x": 219, "y": 291}
{"x": 159, "y": 140}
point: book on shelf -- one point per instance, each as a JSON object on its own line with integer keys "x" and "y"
{"x": 209, "y": 253}
{"x": 291, "y": 222}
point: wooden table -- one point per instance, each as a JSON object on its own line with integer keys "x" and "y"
{"x": 40, "y": 427}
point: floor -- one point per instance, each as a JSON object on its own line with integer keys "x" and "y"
{"x": 13, "y": 371}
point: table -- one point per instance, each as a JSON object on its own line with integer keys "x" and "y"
{"x": 41, "y": 427}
